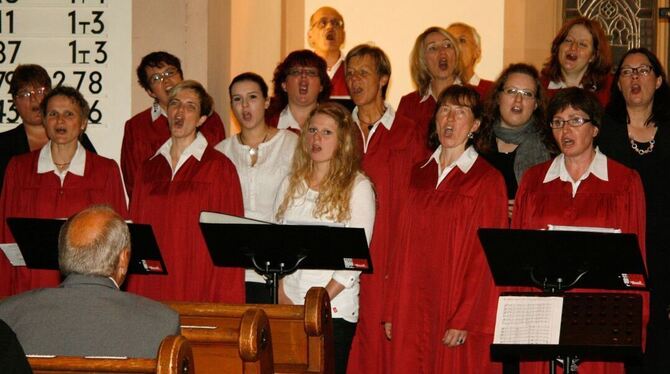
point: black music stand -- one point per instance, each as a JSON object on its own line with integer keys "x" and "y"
{"x": 37, "y": 239}
{"x": 605, "y": 326}
{"x": 275, "y": 250}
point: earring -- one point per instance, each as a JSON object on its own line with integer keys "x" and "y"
{"x": 471, "y": 135}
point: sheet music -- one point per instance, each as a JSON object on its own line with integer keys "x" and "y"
{"x": 212, "y": 217}
{"x": 314, "y": 223}
{"x": 13, "y": 254}
{"x": 528, "y": 320}
{"x": 606, "y": 230}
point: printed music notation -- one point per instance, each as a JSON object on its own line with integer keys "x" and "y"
{"x": 528, "y": 320}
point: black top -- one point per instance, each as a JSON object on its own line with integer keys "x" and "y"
{"x": 15, "y": 142}
{"x": 12, "y": 358}
{"x": 504, "y": 163}
{"x": 653, "y": 169}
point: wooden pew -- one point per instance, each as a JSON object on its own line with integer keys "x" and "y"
{"x": 245, "y": 348}
{"x": 302, "y": 336}
{"x": 174, "y": 357}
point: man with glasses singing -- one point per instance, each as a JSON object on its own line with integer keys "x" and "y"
{"x": 157, "y": 73}
{"x": 28, "y": 86}
{"x": 326, "y": 36}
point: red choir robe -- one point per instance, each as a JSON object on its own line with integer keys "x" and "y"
{"x": 338, "y": 84}
{"x": 441, "y": 279}
{"x": 616, "y": 203}
{"x": 387, "y": 162}
{"x": 172, "y": 207}
{"x": 603, "y": 94}
{"x": 482, "y": 88}
{"x": 421, "y": 112}
{"x": 142, "y": 138}
{"x": 29, "y": 194}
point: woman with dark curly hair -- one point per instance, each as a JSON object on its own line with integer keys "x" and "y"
{"x": 580, "y": 57}
{"x": 636, "y": 133}
{"x": 301, "y": 82}
{"x": 514, "y": 136}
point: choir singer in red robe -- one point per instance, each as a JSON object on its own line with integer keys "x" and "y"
{"x": 56, "y": 181}
{"x": 581, "y": 187}
{"x": 443, "y": 311}
{"x": 184, "y": 177}
{"x": 435, "y": 64}
{"x": 391, "y": 146}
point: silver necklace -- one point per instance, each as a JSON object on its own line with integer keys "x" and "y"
{"x": 253, "y": 151}
{"x": 639, "y": 151}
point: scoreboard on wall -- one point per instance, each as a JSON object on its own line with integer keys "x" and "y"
{"x": 85, "y": 44}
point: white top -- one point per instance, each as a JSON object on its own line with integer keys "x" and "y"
{"x": 195, "y": 149}
{"x": 260, "y": 182}
{"x": 429, "y": 93}
{"x": 333, "y": 69}
{"x": 557, "y": 169}
{"x": 463, "y": 162}
{"x": 296, "y": 285}
{"x": 45, "y": 162}
{"x": 287, "y": 121}
{"x": 474, "y": 80}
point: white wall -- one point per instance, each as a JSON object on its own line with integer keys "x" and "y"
{"x": 394, "y": 25}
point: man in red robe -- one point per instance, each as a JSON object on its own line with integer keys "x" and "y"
{"x": 157, "y": 73}
{"x": 326, "y": 36}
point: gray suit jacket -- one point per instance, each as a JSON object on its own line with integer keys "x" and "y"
{"x": 88, "y": 316}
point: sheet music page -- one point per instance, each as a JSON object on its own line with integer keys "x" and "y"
{"x": 13, "y": 254}
{"x": 606, "y": 230}
{"x": 221, "y": 218}
{"x": 528, "y": 320}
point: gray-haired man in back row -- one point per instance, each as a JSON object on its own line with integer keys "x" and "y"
{"x": 87, "y": 315}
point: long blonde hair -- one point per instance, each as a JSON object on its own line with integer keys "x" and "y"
{"x": 335, "y": 191}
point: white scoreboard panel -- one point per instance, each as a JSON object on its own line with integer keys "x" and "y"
{"x": 81, "y": 43}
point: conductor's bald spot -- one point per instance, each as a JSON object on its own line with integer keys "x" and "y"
{"x": 87, "y": 227}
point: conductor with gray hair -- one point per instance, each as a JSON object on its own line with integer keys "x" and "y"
{"x": 88, "y": 315}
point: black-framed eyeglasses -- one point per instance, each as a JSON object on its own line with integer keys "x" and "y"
{"x": 642, "y": 70}
{"x": 558, "y": 123}
{"x": 159, "y": 77}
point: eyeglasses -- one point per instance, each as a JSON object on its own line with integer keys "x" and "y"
{"x": 513, "y": 91}
{"x": 336, "y": 23}
{"x": 436, "y": 46}
{"x": 159, "y": 77}
{"x": 299, "y": 72}
{"x": 642, "y": 70}
{"x": 558, "y": 123}
{"x": 27, "y": 94}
